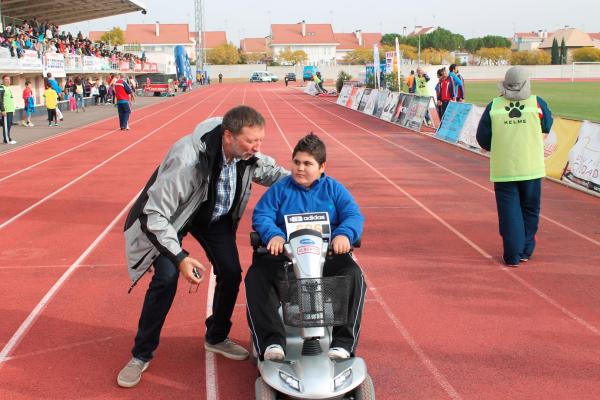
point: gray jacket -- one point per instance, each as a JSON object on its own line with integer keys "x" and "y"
{"x": 176, "y": 190}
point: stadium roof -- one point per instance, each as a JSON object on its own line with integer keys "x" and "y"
{"x": 67, "y": 12}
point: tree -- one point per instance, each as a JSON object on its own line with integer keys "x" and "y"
{"x": 362, "y": 56}
{"x": 586, "y": 54}
{"x": 535, "y": 57}
{"x": 495, "y": 55}
{"x": 434, "y": 56}
{"x": 299, "y": 56}
{"x": 252, "y": 58}
{"x": 341, "y": 78}
{"x": 115, "y": 37}
{"x": 225, "y": 54}
{"x": 474, "y": 44}
{"x": 563, "y": 52}
{"x": 554, "y": 53}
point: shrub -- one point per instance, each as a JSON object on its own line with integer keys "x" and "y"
{"x": 586, "y": 54}
{"x": 339, "y": 83}
{"x": 536, "y": 57}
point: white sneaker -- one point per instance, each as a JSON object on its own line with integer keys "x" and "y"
{"x": 338, "y": 353}
{"x": 30, "y": 125}
{"x": 12, "y": 142}
{"x": 274, "y": 353}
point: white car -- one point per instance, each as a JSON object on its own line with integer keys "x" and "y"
{"x": 260, "y": 76}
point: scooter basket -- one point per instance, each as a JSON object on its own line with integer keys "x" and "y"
{"x": 315, "y": 302}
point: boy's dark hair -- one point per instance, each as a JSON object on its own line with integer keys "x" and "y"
{"x": 313, "y": 145}
{"x": 452, "y": 67}
{"x": 241, "y": 116}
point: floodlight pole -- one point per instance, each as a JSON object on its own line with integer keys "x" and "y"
{"x": 199, "y": 26}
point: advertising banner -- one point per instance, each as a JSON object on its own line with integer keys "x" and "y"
{"x": 352, "y": 97}
{"x": 389, "y": 108}
{"x": 357, "y": 98}
{"x": 371, "y": 102}
{"x": 584, "y": 159}
{"x": 55, "y": 64}
{"x": 453, "y": 121}
{"x": 469, "y": 131}
{"x": 381, "y": 97}
{"x": 344, "y": 94}
{"x": 364, "y": 98}
{"x": 411, "y": 111}
{"x": 557, "y": 143}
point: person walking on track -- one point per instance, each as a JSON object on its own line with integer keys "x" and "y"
{"x": 512, "y": 128}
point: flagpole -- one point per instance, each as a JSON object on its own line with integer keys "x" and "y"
{"x": 398, "y": 62}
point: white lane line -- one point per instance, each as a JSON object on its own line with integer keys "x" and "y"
{"x": 412, "y": 342}
{"x": 512, "y": 274}
{"x": 571, "y": 230}
{"x": 276, "y": 123}
{"x": 26, "y": 325}
{"x": 32, "y": 317}
{"x": 83, "y": 144}
{"x": 438, "y": 376}
{"x": 90, "y": 171}
{"x": 212, "y": 390}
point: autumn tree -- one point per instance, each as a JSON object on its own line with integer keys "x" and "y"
{"x": 225, "y": 54}
{"x": 535, "y": 57}
{"x": 115, "y": 36}
{"x": 494, "y": 55}
{"x": 586, "y": 54}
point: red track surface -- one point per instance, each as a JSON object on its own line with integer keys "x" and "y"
{"x": 443, "y": 318}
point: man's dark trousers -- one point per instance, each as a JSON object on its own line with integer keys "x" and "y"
{"x": 124, "y": 111}
{"x": 518, "y": 217}
{"x": 219, "y": 243}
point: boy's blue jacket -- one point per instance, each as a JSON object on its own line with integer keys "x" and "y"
{"x": 287, "y": 197}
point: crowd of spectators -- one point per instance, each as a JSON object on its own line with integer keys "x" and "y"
{"x": 46, "y": 37}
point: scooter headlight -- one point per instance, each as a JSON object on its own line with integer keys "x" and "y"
{"x": 343, "y": 378}
{"x": 290, "y": 380}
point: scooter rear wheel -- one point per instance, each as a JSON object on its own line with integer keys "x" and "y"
{"x": 366, "y": 390}
{"x": 262, "y": 391}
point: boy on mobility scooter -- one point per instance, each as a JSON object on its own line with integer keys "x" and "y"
{"x": 309, "y": 223}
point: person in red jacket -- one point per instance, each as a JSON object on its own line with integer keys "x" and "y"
{"x": 445, "y": 91}
{"x": 122, "y": 96}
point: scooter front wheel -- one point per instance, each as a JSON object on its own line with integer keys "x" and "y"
{"x": 262, "y": 391}
{"x": 366, "y": 390}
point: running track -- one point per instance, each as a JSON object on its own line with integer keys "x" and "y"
{"x": 443, "y": 318}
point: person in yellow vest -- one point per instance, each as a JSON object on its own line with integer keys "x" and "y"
{"x": 7, "y": 109}
{"x": 512, "y": 128}
{"x": 420, "y": 88}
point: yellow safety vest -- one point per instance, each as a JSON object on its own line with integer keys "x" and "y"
{"x": 517, "y": 151}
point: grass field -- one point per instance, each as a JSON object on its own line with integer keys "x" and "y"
{"x": 578, "y": 100}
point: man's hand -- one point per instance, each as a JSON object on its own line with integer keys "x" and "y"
{"x": 186, "y": 267}
{"x": 275, "y": 245}
{"x": 4, "y": 113}
{"x": 340, "y": 244}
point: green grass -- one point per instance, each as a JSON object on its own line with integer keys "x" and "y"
{"x": 578, "y": 100}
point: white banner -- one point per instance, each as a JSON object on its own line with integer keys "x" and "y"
{"x": 372, "y": 102}
{"x": 469, "y": 131}
{"x": 30, "y": 59}
{"x": 357, "y": 98}
{"x": 389, "y": 107}
{"x": 344, "y": 94}
{"x": 55, "y": 64}
{"x": 584, "y": 158}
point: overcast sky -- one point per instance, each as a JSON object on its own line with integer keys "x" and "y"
{"x": 243, "y": 18}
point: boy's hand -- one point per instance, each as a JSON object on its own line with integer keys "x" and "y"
{"x": 340, "y": 244}
{"x": 275, "y": 245}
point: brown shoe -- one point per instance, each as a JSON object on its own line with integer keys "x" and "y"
{"x": 228, "y": 348}
{"x": 132, "y": 373}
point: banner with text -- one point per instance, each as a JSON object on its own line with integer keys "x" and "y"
{"x": 584, "y": 158}
{"x": 453, "y": 121}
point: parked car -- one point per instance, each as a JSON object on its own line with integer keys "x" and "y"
{"x": 274, "y": 77}
{"x": 290, "y": 76}
{"x": 260, "y": 76}
{"x": 308, "y": 72}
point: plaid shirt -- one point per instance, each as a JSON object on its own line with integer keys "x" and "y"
{"x": 225, "y": 188}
